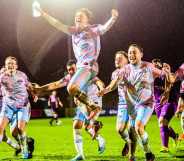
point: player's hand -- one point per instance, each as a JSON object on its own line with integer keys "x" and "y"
{"x": 101, "y": 93}
{"x": 166, "y": 68}
{"x": 35, "y": 98}
{"x": 37, "y": 7}
{"x": 114, "y": 13}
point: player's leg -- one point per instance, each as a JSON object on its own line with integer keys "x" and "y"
{"x": 3, "y": 123}
{"x": 121, "y": 127}
{"x": 77, "y": 134}
{"x": 5, "y": 115}
{"x": 92, "y": 126}
{"x": 23, "y": 118}
{"x": 10, "y": 142}
{"x": 182, "y": 126}
{"x": 167, "y": 112}
{"x": 77, "y": 85}
{"x": 142, "y": 118}
{"x": 132, "y": 136}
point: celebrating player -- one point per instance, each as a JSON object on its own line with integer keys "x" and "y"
{"x": 166, "y": 96}
{"x": 15, "y": 109}
{"x": 86, "y": 46}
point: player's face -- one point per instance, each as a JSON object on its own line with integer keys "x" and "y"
{"x": 81, "y": 19}
{"x": 134, "y": 55}
{"x": 120, "y": 60}
{"x": 54, "y": 93}
{"x": 71, "y": 69}
{"x": 11, "y": 65}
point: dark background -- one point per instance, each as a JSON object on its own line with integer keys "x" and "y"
{"x": 42, "y": 51}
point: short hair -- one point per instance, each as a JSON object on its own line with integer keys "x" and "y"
{"x": 156, "y": 60}
{"x": 12, "y": 58}
{"x": 70, "y": 62}
{"x": 137, "y": 46}
{"x": 121, "y": 52}
{"x": 87, "y": 12}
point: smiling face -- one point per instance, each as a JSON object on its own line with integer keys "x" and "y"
{"x": 120, "y": 60}
{"x": 11, "y": 64}
{"x": 81, "y": 19}
{"x": 134, "y": 55}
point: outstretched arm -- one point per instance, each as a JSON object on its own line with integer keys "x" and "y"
{"x": 112, "y": 86}
{"x": 52, "y": 86}
{"x": 110, "y": 22}
{"x": 54, "y": 22}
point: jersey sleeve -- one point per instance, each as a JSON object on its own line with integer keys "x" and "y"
{"x": 156, "y": 72}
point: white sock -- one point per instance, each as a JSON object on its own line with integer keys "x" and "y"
{"x": 125, "y": 136}
{"x": 100, "y": 140}
{"x": 23, "y": 141}
{"x": 144, "y": 142}
{"x": 12, "y": 144}
{"x": 78, "y": 141}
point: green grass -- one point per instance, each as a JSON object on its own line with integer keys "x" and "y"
{"x": 56, "y": 143}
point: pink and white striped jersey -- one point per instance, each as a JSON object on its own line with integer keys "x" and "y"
{"x": 14, "y": 89}
{"x": 139, "y": 81}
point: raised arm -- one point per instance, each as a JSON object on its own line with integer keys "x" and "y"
{"x": 110, "y": 22}
{"x": 54, "y": 22}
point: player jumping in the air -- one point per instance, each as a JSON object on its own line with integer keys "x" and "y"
{"x": 86, "y": 46}
{"x": 83, "y": 116}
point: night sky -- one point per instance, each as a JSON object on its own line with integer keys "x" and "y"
{"x": 42, "y": 51}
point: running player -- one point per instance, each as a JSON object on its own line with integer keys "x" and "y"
{"x": 86, "y": 46}
{"x": 54, "y": 102}
{"x": 166, "y": 96}
{"x": 121, "y": 59}
{"x": 138, "y": 77}
{"x": 6, "y": 139}
{"x": 14, "y": 85}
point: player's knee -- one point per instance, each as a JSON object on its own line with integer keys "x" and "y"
{"x": 72, "y": 89}
{"x": 120, "y": 128}
{"x": 77, "y": 124}
{"x": 163, "y": 122}
{"x": 139, "y": 128}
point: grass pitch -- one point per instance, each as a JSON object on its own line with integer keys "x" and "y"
{"x": 55, "y": 143}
